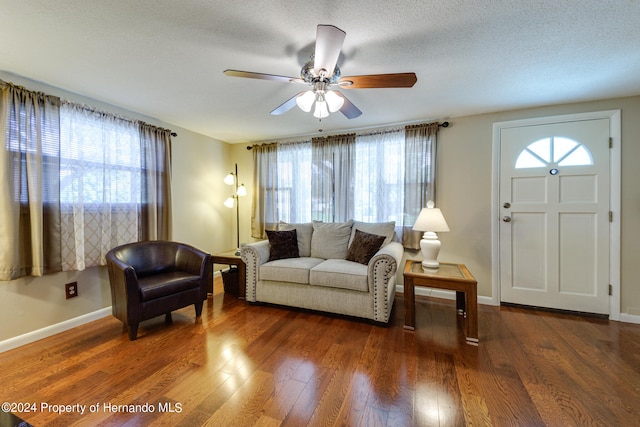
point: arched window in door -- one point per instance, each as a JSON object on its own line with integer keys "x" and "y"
{"x": 556, "y": 150}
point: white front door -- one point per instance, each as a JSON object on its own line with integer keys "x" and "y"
{"x": 554, "y": 209}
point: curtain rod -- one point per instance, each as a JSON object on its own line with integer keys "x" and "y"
{"x": 440, "y": 125}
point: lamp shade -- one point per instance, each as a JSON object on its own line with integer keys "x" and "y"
{"x": 305, "y": 101}
{"x": 230, "y": 202}
{"x": 334, "y": 101}
{"x": 431, "y": 219}
{"x": 321, "y": 110}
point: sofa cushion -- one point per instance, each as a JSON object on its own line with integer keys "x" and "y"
{"x": 304, "y": 231}
{"x": 294, "y": 270}
{"x": 363, "y": 247}
{"x": 340, "y": 273}
{"x": 282, "y": 244}
{"x": 330, "y": 240}
{"x": 386, "y": 229}
{"x": 161, "y": 285}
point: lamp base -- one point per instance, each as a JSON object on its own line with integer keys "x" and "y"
{"x": 431, "y": 266}
{"x": 430, "y": 246}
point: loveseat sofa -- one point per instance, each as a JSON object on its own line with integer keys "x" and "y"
{"x": 343, "y": 268}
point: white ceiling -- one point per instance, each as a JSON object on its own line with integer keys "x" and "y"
{"x": 165, "y": 58}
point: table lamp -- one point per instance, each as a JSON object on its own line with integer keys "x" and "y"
{"x": 430, "y": 221}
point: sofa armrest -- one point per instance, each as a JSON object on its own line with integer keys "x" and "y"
{"x": 382, "y": 270}
{"x": 253, "y": 255}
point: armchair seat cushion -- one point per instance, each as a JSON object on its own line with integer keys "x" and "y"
{"x": 162, "y": 285}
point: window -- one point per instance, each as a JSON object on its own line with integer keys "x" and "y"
{"x": 556, "y": 150}
{"x": 83, "y": 181}
{"x": 99, "y": 158}
{"x": 371, "y": 177}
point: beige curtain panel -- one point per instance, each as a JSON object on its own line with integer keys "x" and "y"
{"x": 29, "y": 195}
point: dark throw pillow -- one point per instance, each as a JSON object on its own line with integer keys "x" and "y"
{"x": 364, "y": 246}
{"x": 283, "y": 244}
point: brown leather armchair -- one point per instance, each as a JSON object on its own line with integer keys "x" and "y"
{"x": 152, "y": 278}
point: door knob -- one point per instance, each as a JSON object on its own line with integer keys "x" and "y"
{"x": 506, "y": 218}
{"x": 506, "y": 205}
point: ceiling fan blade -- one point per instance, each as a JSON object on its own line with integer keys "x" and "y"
{"x": 261, "y": 76}
{"x": 349, "y": 110}
{"x": 329, "y": 41}
{"x": 379, "y": 81}
{"x": 287, "y": 105}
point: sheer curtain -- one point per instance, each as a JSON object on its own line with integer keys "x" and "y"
{"x": 29, "y": 167}
{"x": 100, "y": 184}
{"x": 380, "y": 176}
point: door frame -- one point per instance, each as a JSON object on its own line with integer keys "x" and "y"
{"x": 615, "y": 131}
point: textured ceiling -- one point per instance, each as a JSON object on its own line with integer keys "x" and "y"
{"x": 165, "y": 58}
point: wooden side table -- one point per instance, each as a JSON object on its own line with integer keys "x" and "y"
{"x": 230, "y": 258}
{"x": 449, "y": 276}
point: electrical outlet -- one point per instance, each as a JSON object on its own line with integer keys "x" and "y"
{"x": 71, "y": 289}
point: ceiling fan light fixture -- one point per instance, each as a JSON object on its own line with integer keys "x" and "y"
{"x": 334, "y": 101}
{"x": 321, "y": 110}
{"x": 305, "y": 101}
{"x": 321, "y": 72}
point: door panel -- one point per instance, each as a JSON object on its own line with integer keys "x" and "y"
{"x": 529, "y": 243}
{"x": 554, "y": 233}
{"x": 578, "y": 254}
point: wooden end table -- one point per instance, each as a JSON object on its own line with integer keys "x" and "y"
{"x": 230, "y": 258}
{"x": 449, "y": 276}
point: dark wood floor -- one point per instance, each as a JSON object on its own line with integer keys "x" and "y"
{"x": 249, "y": 365}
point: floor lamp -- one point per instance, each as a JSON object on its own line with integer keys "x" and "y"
{"x": 232, "y": 179}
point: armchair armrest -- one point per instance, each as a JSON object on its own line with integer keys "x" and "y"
{"x": 254, "y": 255}
{"x": 191, "y": 260}
{"x": 125, "y": 291}
{"x": 196, "y": 262}
{"x": 382, "y": 277}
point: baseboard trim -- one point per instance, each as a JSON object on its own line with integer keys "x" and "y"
{"x": 51, "y": 330}
{"x": 629, "y": 318}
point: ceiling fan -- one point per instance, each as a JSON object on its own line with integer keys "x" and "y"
{"x": 323, "y": 75}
